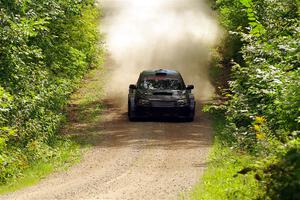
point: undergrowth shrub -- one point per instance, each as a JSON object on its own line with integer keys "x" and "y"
{"x": 46, "y": 46}
{"x": 262, "y": 110}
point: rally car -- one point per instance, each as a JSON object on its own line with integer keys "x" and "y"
{"x": 161, "y": 93}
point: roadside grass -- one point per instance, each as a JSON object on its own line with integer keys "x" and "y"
{"x": 220, "y": 179}
{"x": 84, "y": 112}
{"x": 67, "y": 154}
{"x": 87, "y": 101}
{"x": 84, "y": 108}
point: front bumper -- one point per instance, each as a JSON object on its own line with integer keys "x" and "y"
{"x": 163, "y": 109}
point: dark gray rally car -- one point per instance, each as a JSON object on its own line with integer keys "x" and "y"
{"x": 161, "y": 93}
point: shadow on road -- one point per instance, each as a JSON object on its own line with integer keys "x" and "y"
{"x": 113, "y": 130}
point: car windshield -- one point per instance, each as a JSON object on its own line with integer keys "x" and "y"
{"x": 161, "y": 83}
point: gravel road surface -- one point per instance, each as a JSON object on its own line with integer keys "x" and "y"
{"x": 130, "y": 160}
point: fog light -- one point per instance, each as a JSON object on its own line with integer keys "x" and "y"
{"x": 182, "y": 102}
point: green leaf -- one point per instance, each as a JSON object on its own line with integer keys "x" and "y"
{"x": 246, "y": 3}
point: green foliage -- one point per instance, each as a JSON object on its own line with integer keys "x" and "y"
{"x": 262, "y": 112}
{"x": 267, "y": 85}
{"x": 228, "y": 10}
{"x": 67, "y": 153}
{"x": 45, "y": 49}
{"x": 221, "y": 180}
{"x": 281, "y": 172}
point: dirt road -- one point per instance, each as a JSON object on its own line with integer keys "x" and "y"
{"x": 130, "y": 160}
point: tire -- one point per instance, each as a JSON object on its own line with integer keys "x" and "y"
{"x": 191, "y": 115}
{"x": 190, "y": 118}
{"x": 131, "y": 113}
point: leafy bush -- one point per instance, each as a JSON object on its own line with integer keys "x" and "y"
{"x": 46, "y": 48}
{"x": 281, "y": 173}
{"x": 263, "y": 112}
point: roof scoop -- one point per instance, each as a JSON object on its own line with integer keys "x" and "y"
{"x": 160, "y": 72}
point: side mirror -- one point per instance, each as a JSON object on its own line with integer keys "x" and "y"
{"x": 190, "y": 87}
{"x": 132, "y": 86}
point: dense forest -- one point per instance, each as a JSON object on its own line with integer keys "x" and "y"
{"x": 45, "y": 49}
{"x": 262, "y": 107}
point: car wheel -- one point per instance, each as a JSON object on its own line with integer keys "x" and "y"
{"x": 131, "y": 113}
{"x": 190, "y": 118}
{"x": 191, "y": 115}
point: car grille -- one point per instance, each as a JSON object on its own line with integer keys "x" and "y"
{"x": 163, "y": 104}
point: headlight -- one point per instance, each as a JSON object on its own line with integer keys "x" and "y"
{"x": 143, "y": 102}
{"x": 182, "y": 101}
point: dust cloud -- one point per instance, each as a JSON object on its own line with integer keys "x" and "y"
{"x": 155, "y": 34}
